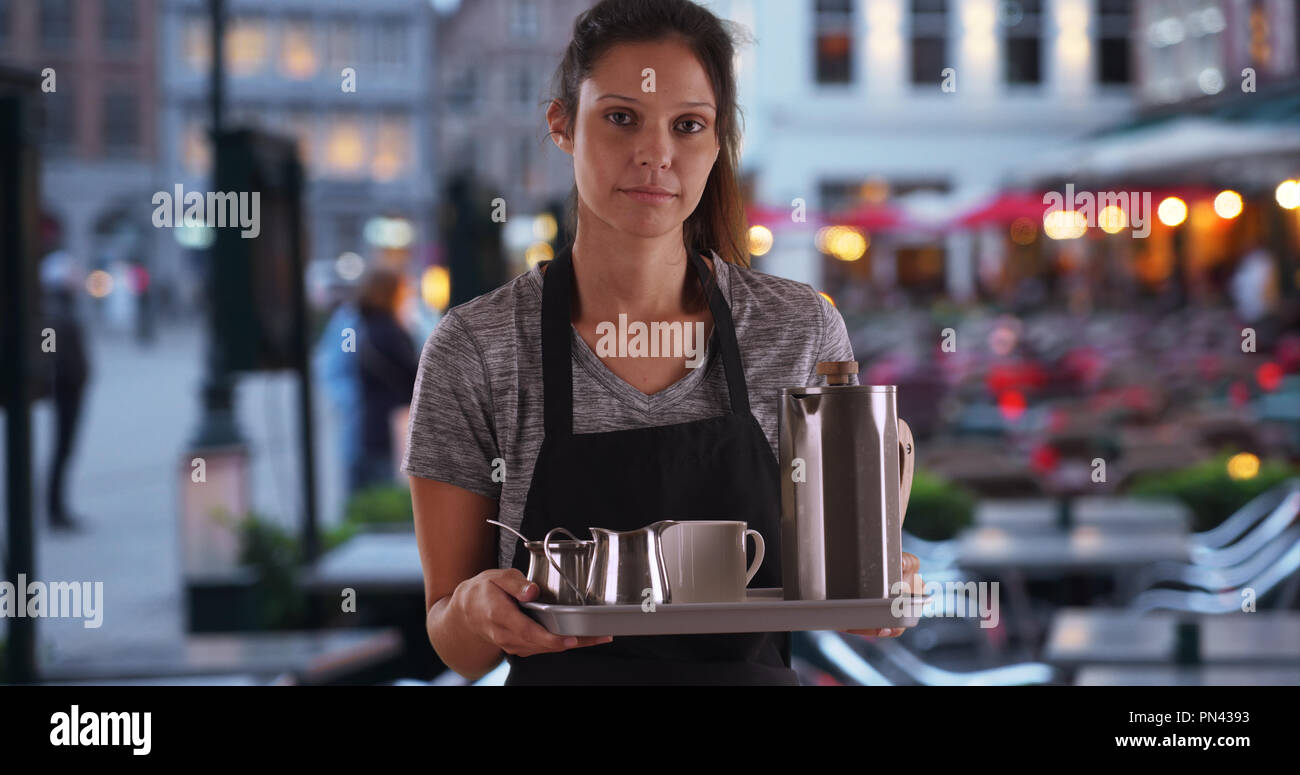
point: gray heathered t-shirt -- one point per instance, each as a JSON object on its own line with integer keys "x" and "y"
{"x": 478, "y": 395}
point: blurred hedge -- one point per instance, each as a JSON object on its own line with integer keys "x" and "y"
{"x": 1209, "y": 491}
{"x": 276, "y": 554}
{"x": 938, "y": 509}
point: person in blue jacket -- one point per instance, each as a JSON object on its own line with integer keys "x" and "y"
{"x": 337, "y": 367}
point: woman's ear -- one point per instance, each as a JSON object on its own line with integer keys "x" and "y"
{"x": 559, "y": 125}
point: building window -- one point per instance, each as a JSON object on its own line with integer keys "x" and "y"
{"x": 4, "y": 20}
{"x": 523, "y": 19}
{"x": 392, "y": 147}
{"x": 119, "y": 22}
{"x": 196, "y": 149}
{"x": 56, "y": 24}
{"x": 343, "y": 43}
{"x": 246, "y": 46}
{"x": 59, "y": 133}
{"x": 1023, "y": 47}
{"x": 526, "y": 87}
{"x": 391, "y": 45}
{"x": 345, "y": 146}
{"x": 833, "y": 25}
{"x": 1115, "y": 25}
{"x": 196, "y": 43}
{"x": 298, "y": 53}
{"x": 929, "y": 40}
{"x": 468, "y": 160}
{"x": 121, "y": 120}
{"x": 462, "y": 91}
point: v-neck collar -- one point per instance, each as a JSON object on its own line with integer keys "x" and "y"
{"x": 625, "y": 391}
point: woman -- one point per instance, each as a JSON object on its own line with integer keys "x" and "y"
{"x": 386, "y": 368}
{"x": 517, "y": 418}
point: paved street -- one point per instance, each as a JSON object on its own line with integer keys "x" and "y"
{"x": 141, "y": 410}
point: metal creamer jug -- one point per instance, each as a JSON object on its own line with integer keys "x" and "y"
{"x": 846, "y": 473}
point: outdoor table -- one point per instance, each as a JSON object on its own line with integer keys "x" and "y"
{"x": 1042, "y": 514}
{"x": 1016, "y": 557}
{"x": 383, "y": 562}
{"x": 207, "y": 655}
{"x": 1089, "y": 636}
{"x": 1057, "y": 552}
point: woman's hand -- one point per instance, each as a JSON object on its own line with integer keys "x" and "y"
{"x": 911, "y": 575}
{"x": 488, "y": 604}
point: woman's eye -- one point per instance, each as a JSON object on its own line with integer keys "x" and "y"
{"x": 688, "y": 121}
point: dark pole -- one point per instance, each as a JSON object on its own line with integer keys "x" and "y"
{"x": 217, "y": 426}
{"x": 17, "y": 176}
{"x": 306, "y": 419}
{"x": 217, "y": 92}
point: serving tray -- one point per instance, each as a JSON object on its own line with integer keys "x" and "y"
{"x": 764, "y": 610}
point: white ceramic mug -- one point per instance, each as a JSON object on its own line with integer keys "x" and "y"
{"x": 705, "y": 560}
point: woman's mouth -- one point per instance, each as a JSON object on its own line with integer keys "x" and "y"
{"x": 649, "y": 196}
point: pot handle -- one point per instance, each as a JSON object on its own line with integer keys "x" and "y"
{"x": 907, "y": 466}
{"x": 546, "y": 548}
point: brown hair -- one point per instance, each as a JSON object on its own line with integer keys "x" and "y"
{"x": 719, "y": 221}
{"x": 378, "y": 289}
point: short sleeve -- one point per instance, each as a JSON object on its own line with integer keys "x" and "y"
{"x": 835, "y": 343}
{"x": 451, "y": 436}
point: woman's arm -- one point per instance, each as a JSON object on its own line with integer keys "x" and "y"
{"x": 473, "y": 616}
{"x": 456, "y": 543}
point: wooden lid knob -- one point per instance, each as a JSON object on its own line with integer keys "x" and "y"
{"x": 837, "y": 372}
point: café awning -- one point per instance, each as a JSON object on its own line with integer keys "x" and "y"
{"x": 1250, "y": 136}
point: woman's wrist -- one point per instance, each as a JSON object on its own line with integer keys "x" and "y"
{"x": 459, "y": 647}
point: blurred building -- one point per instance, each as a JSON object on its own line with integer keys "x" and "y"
{"x": 98, "y": 64}
{"x": 1192, "y": 52}
{"x": 494, "y": 61}
{"x": 866, "y": 105}
{"x": 350, "y": 81}
{"x": 1217, "y": 137}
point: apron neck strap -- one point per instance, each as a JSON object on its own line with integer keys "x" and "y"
{"x": 557, "y": 330}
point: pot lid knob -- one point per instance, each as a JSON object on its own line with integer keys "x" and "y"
{"x": 837, "y": 372}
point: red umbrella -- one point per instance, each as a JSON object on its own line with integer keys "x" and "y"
{"x": 873, "y": 217}
{"x": 768, "y": 216}
{"x": 1004, "y": 208}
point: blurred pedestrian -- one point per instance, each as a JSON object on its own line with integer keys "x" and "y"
{"x": 387, "y": 364}
{"x": 60, "y": 280}
{"x": 338, "y": 370}
{"x": 1255, "y": 286}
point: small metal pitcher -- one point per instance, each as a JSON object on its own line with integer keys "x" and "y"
{"x": 627, "y": 567}
{"x": 552, "y": 563}
{"x": 551, "y": 575}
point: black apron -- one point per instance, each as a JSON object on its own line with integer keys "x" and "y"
{"x": 718, "y": 468}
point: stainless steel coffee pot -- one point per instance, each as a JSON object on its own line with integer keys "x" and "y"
{"x": 846, "y": 473}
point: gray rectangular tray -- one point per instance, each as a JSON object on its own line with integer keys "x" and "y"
{"x": 764, "y": 610}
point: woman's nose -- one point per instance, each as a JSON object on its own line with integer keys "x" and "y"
{"x": 654, "y": 149}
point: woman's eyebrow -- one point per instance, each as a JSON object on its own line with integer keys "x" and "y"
{"x": 680, "y": 104}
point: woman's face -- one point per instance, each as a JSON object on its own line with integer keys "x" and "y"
{"x": 646, "y": 118}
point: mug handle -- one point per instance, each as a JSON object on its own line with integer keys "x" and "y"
{"x": 546, "y": 549}
{"x": 758, "y": 555}
{"x": 907, "y": 461}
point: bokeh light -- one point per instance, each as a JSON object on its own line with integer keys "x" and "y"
{"x": 760, "y": 240}
{"x": 1243, "y": 465}
{"x": 1172, "y": 211}
{"x": 1228, "y": 204}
